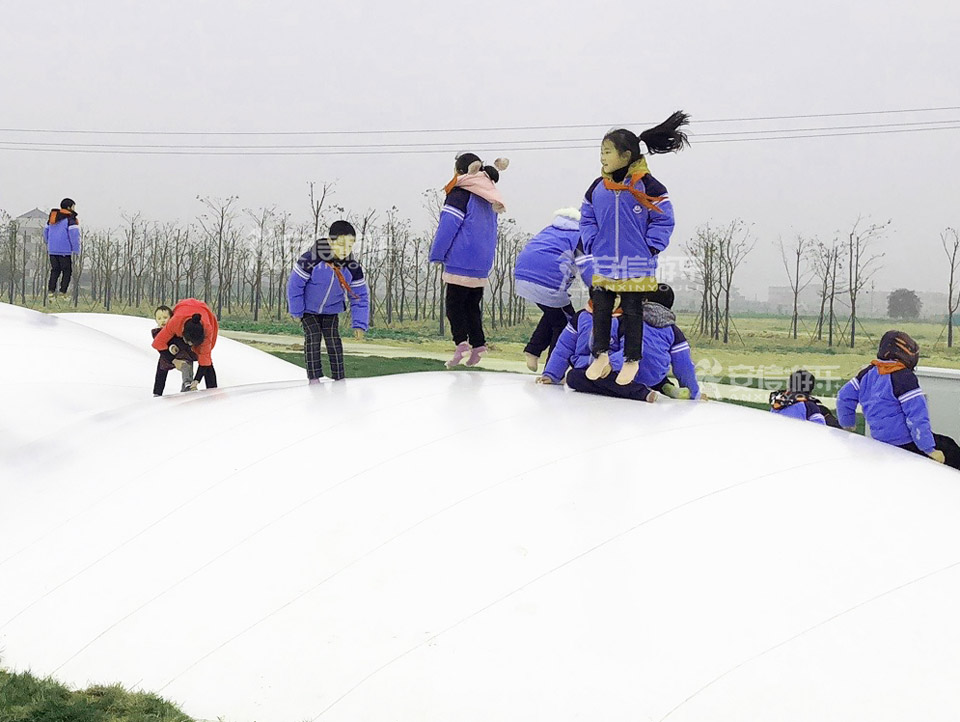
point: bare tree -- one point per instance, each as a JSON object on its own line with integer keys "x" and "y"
{"x": 217, "y": 224}
{"x": 316, "y": 204}
{"x": 799, "y": 279}
{"x": 951, "y": 246}
{"x": 261, "y": 219}
{"x": 862, "y": 264}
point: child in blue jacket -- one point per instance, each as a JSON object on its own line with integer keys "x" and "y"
{"x": 465, "y": 243}
{"x": 798, "y": 402}
{"x": 322, "y": 281}
{"x": 544, "y": 271}
{"x": 573, "y": 353}
{"x": 665, "y": 348}
{"x": 893, "y": 403}
{"x": 62, "y": 234}
{"x": 626, "y": 220}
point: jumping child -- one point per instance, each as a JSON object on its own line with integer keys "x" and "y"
{"x": 626, "y": 220}
{"x": 544, "y": 271}
{"x": 893, "y": 402}
{"x": 62, "y": 234}
{"x": 320, "y": 284}
{"x": 466, "y": 243}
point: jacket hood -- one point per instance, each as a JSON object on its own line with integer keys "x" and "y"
{"x": 658, "y": 316}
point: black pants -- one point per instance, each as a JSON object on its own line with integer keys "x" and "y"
{"x": 465, "y": 314}
{"x": 208, "y": 375}
{"x": 578, "y": 381}
{"x": 323, "y": 327}
{"x": 631, "y": 322}
{"x": 551, "y": 325}
{"x": 949, "y": 447}
{"x": 60, "y": 265}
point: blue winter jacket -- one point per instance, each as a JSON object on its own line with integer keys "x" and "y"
{"x": 466, "y": 239}
{"x": 893, "y": 405}
{"x": 622, "y": 235}
{"x": 803, "y": 410}
{"x": 62, "y": 233}
{"x": 574, "y": 347}
{"x": 314, "y": 288}
{"x": 554, "y": 256}
{"x": 665, "y": 347}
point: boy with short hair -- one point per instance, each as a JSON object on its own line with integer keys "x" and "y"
{"x": 320, "y": 285}
{"x": 62, "y": 235}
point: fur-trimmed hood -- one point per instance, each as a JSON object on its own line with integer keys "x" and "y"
{"x": 567, "y": 219}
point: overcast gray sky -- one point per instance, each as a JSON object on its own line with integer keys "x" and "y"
{"x": 368, "y": 65}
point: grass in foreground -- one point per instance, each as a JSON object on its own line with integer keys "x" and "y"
{"x": 366, "y": 366}
{"x": 25, "y": 698}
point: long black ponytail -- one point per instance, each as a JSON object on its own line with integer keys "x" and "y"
{"x": 667, "y": 137}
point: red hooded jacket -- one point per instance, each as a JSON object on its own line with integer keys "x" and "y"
{"x": 181, "y": 314}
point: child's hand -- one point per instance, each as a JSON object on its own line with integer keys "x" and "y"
{"x": 937, "y": 456}
{"x": 358, "y": 333}
{"x": 544, "y": 380}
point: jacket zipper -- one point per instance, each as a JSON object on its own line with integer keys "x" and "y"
{"x": 616, "y": 225}
{"x": 326, "y": 296}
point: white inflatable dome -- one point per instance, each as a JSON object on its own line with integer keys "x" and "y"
{"x": 458, "y": 546}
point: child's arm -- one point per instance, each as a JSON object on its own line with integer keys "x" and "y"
{"x": 907, "y": 389}
{"x": 451, "y": 218}
{"x": 584, "y": 264}
{"x": 73, "y": 233}
{"x": 359, "y": 297}
{"x": 847, "y": 401}
{"x": 682, "y": 363}
{"x": 659, "y": 225}
{"x": 588, "y": 219}
{"x": 813, "y": 413}
{"x": 299, "y": 277}
{"x": 559, "y": 360}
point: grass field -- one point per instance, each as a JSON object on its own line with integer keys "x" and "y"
{"x": 25, "y": 698}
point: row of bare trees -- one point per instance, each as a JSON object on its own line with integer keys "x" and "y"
{"x": 842, "y": 269}
{"x": 239, "y": 260}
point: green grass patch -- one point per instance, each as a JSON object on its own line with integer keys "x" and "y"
{"x": 367, "y": 366}
{"x": 26, "y": 698}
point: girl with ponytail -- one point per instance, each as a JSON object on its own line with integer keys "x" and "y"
{"x": 466, "y": 243}
{"x": 196, "y": 324}
{"x": 626, "y": 220}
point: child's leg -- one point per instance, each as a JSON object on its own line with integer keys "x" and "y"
{"x": 542, "y": 334}
{"x": 559, "y": 321}
{"x": 160, "y": 380}
{"x": 475, "y": 318}
{"x": 330, "y": 327}
{"x": 186, "y": 375}
{"x": 54, "y": 273}
{"x": 66, "y": 267}
{"x": 312, "y": 335}
{"x": 456, "y": 302}
{"x": 631, "y": 324}
{"x": 950, "y": 449}
{"x": 603, "y": 302}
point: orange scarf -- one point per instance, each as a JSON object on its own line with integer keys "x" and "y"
{"x": 635, "y": 174}
{"x": 342, "y": 279}
{"x": 887, "y": 367}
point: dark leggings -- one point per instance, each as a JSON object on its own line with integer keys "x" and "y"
{"x": 551, "y": 325}
{"x": 60, "y": 265}
{"x": 949, "y": 447}
{"x": 207, "y": 374}
{"x": 631, "y": 323}
{"x": 323, "y": 327}
{"x": 465, "y": 314}
{"x": 578, "y": 381}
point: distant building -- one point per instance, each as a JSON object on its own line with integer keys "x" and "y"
{"x": 30, "y": 224}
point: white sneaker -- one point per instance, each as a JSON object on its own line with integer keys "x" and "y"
{"x": 628, "y": 373}
{"x": 600, "y": 368}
